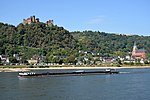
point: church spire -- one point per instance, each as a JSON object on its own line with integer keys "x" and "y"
{"x": 134, "y": 48}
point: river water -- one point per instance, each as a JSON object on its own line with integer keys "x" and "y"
{"x": 130, "y": 84}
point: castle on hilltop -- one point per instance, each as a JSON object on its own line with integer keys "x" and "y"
{"x": 33, "y": 19}
{"x": 30, "y": 20}
{"x": 138, "y": 53}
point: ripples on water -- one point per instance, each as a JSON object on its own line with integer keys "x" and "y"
{"x": 131, "y": 84}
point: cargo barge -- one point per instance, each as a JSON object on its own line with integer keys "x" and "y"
{"x": 79, "y": 72}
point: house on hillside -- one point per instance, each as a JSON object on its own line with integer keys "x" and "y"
{"x": 34, "y": 60}
{"x": 108, "y": 59}
{"x": 17, "y": 56}
{"x": 4, "y": 59}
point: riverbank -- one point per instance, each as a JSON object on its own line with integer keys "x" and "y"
{"x": 54, "y": 68}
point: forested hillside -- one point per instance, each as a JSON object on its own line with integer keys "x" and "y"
{"x": 110, "y": 44}
{"x": 53, "y": 41}
{"x": 36, "y": 38}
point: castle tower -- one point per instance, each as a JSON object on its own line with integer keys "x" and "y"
{"x": 33, "y": 18}
{"x": 37, "y": 20}
{"x": 49, "y": 22}
{"x": 30, "y": 20}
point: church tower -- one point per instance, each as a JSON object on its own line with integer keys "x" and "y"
{"x": 135, "y": 49}
{"x": 138, "y": 53}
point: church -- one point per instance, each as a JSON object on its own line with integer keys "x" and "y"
{"x": 138, "y": 53}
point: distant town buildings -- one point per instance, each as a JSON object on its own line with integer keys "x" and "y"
{"x": 33, "y": 19}
{"x": 138, "y": 53}
{"x": 84, "y": 58}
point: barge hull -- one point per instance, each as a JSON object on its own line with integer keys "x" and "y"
{"x": 71, "y": 73}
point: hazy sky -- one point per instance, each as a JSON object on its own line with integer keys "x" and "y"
{"x": 113, "y": 16}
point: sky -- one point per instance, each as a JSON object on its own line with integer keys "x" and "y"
{"x": 112, "y": 16}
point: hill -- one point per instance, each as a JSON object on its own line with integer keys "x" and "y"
{"x": 60, "y": 45}
{"x": 35, "y": 39}
{"x": 110, "y": 44}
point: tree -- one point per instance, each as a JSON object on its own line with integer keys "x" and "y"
{"x": 148, "y": 56}
{"x": 146, "y": 62}
{"x": 119, "y": 61}
{"x": 24, "y": 60}
{"x": 0, "y": 61}
{"x": 13, "y": 60}
{"x": 71, "y": 59}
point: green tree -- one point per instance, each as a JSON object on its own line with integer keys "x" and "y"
{"x": 71, "y": 59}
{"x": 0, "y": 61}
{"x": 146, "y": 62}
{"x": 13, "y": 60}
{"x": 148, "y": 56}
{"x": 119, "y": 62}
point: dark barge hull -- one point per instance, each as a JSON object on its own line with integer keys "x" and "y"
{"x": 71, "y": 73}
